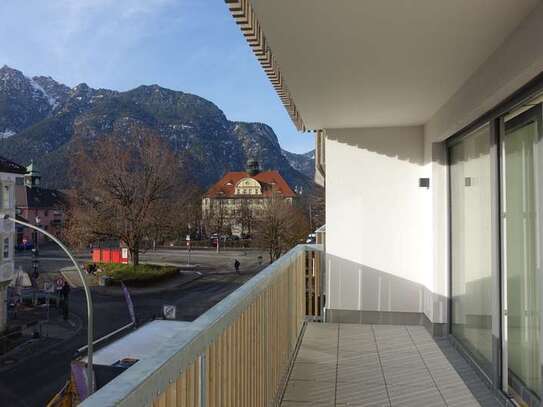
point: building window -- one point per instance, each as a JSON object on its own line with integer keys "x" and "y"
{"x": 6, "y": 248}
{"x": 471, "y": 253}
{"x": 5, "y": 197}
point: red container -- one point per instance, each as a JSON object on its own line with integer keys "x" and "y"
{"x": 96, "y": 256}
{"x": 115, "y": 255}
{"x": 106, "y": 255}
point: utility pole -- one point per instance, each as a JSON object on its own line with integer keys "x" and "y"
{"x": 188, "y": 249}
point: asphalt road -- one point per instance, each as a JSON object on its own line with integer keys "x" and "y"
{"x": 33, "y": 380}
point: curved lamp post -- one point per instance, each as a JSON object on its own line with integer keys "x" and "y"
{"x": 90, "y": 327}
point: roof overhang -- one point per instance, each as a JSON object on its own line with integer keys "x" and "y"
{"x": 373, "y": 63}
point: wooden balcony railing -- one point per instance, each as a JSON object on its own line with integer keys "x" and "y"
{"x": 235, "y": 354}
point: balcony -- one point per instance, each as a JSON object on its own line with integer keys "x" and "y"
{"x": 262, "y": 345}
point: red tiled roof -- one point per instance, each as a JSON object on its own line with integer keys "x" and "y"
{"x": 270, "y": 180}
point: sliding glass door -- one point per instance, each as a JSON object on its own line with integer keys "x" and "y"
{"x": 471, "y": 238}
{"x": 521, "y": 281}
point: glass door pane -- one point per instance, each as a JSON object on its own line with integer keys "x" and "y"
{"x": 471, "y": 257}
{"x": 520, "y": 251}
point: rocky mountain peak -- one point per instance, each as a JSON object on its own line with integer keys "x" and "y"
{"x": 44, "y": 119}
{"x": 11, "y": 77}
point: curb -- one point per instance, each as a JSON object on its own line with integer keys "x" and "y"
{"x": 151, "y": 291}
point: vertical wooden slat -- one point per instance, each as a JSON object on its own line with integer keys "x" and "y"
{"x": 196, "y": 388}
{"x": 253, "y": 353}
{"x": 210, "y": 371}
{"x": 190, "y": 385}
{"x": 171, "y": 395}
{"x": 220, "y": 381}
{"x": 230, "y": 367}
{"x": 217, "y": 373}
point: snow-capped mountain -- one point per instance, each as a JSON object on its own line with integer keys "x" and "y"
{"x": 41, "y": 119}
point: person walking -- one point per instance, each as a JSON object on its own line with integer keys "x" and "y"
{"x": 236, "y": 266}
{"x": 65, "y": 295}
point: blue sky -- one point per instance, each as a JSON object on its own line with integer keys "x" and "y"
{"x": 188, "y": 45}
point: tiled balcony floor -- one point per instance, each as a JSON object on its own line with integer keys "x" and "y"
{"x": 380, "y": 365}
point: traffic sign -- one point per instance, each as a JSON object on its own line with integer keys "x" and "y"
{"x": 59, "y": 283}
{"x": 168, "y": 311}
{"x": 48, "y": 287}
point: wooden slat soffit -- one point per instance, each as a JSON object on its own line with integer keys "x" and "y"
{"x": 242, "y": 11}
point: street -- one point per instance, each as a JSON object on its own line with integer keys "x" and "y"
{"x": 32, "y": 377}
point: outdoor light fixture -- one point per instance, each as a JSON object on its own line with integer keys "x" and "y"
{"x": 424, "y": 182}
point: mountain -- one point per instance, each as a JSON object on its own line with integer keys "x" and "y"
{"x": 42, "y": 120}
{"x": 304, "y": 163}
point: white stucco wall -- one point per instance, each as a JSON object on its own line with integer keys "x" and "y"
{"x": 378, "y": 220}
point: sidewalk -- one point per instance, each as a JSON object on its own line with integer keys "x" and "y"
{"x": 37, "y": 334}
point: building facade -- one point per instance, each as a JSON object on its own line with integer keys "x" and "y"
{"x": 40, "y": 206}
{"x": 428, "y": 119}
{"x": 234, "y": 204}
{"x": 9, "y": 173}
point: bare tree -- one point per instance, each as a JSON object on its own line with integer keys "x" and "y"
{"x": 245, "y": 216}
{"x": 217, "y": 217}
{"x": 126, "y": 189}
{"x": 280, "y": 226}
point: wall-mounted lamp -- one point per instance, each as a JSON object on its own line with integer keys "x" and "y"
{"x": 424, "y": 182}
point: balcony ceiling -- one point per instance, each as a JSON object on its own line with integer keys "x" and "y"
{"x": 361, "y": 63}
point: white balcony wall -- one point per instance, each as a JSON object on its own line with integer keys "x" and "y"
{"x": 379, "y": 222}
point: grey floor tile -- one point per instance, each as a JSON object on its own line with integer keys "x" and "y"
{"x": 316, "y": 355}
{"x": 325, "y": 372}
{"x": 356, "y": 394}
{"x": 310, "y": 391}
{"x": 415, "y": 396}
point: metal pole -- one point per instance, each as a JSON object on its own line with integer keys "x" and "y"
{"x": 90, "y": 317}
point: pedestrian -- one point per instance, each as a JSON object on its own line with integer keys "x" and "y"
{"x": 236, "y": 266}
{"x": 65, "y": 294}
{"x": 92, "y": 268}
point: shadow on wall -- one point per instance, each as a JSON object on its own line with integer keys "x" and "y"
{"x": 354, "y": 286}
{"x": 403, "y": 143}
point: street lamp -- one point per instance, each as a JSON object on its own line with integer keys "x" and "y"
{"x": 90, "y": 327}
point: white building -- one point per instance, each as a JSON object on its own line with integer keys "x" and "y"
{"x": 9, "y": 171}
{"x": 428, "y": 120}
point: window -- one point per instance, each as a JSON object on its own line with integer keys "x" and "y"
{"x": 5, "y": 197}
{"x": 6, "y": 248}
{"x": 471, "y": 254}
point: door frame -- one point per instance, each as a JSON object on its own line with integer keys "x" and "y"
{"x": 533, "y": 113}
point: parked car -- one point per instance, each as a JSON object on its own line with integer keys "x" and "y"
{"x": 311, "y": 238}
{"x": 24, "y": 246}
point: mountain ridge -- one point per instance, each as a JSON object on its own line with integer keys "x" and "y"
{"x": 41, "y": 119}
